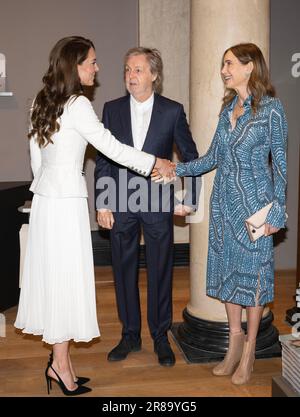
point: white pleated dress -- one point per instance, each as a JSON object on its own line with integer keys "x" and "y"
{"x": 57, "y": 298}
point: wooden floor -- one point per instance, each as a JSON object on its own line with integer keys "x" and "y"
{"x": 23, "y": 358}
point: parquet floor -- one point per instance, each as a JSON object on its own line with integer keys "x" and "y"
{"x": 23, "y": 358}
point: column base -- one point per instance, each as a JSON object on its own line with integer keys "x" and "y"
{"x": 207, "y": 341}
{"x": 290, "y": 313}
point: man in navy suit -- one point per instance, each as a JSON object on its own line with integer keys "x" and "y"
{"x": 148, "y": 121}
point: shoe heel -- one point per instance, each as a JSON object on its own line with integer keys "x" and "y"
{"x": 78, "y": 391}
{"x": 49, "y": 385}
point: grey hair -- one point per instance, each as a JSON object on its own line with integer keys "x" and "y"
{"x": 153, "y": 56}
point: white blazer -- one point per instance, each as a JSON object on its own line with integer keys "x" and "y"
{"x": 57, "y": 168}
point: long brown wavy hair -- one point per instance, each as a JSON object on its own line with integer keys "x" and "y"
{"x": 259, "y": 82}
{"x": 61, "y": 81}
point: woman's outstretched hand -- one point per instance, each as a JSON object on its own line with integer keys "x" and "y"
{"x": 164, "y": 170}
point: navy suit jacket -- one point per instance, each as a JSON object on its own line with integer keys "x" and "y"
{"x": 168, "y": 126}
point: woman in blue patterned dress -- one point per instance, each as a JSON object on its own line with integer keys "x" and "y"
{"x": 252, "y": 125}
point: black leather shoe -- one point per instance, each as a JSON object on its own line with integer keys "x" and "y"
{"x": 165, "y": 354}
{"x": 121, "y": 351}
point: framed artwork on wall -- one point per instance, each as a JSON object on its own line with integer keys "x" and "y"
{"x": 3, "y": 91}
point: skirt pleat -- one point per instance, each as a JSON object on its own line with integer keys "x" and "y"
{"x": 57, "y": 298}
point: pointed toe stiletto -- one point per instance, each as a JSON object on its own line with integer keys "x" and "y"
{"x": 78, "y": 391}
{"x": 80, "y": 380}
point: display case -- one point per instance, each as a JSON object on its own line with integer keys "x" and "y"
{"x": 12, "y": 196}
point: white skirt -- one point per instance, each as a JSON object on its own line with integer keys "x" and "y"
{"x": 57, "y": 298}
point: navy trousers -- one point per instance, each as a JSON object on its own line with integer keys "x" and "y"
{"x": 125, "y": 244}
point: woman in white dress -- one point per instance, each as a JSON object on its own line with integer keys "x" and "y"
{"x": 57, "y": 297}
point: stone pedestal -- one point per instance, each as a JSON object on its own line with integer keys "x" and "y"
{"x": 207, "y": 341}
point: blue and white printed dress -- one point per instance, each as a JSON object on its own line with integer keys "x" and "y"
{"x": 240, "y": 271}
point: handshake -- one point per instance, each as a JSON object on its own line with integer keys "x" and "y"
{"x": 163, "y": 171}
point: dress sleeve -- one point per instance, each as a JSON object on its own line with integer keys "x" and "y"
{"x": 205, "y": 163}
{"x": 88, "y": 125}
{"x": 35, "y": 155}
{"x": 188, "y": 152}
{"x": 278, "y": 144}
{"x": 35, "y": 150}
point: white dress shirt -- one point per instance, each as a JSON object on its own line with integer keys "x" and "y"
{"x": 140, "y": 119}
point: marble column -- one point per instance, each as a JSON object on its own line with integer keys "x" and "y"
{"x": 215, "y": 26}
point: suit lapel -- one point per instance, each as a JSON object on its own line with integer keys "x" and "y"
{"x": 126, "y": 121}
{"x": 154, "y": 125}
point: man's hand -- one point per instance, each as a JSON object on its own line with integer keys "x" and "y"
{"x": 105, "y": 218}
{"x": 269, "y": 229}
{"x": 182, "y": 210}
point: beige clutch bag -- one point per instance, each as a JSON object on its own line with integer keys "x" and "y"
{"x": 255, "y": 224}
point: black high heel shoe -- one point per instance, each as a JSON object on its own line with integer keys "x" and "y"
{"x": 80, "y": 379}
{"x": 78, "y": 391}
